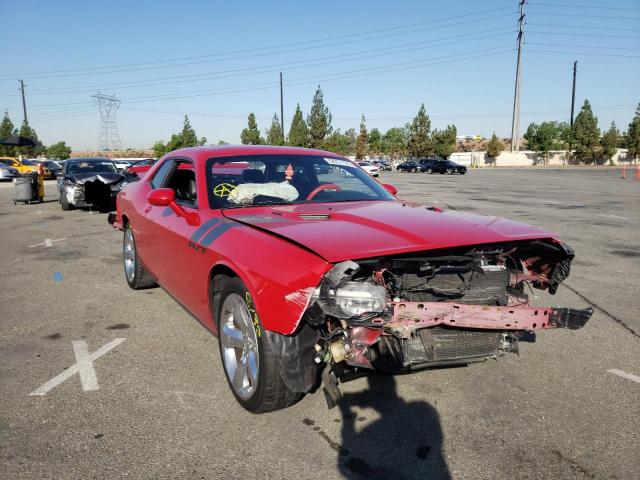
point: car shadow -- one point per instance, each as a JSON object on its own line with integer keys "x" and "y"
{"x": 403, "y": 442}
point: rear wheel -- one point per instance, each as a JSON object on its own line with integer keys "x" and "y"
{"x": 429, "y": 171}
{"x": 136, "y": 275}
{"x": 450, "y": 171}
{"x": 250, "y": 365}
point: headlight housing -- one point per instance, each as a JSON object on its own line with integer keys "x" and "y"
{"x": 118, "y": 186}
{"x": 357, "y": 298}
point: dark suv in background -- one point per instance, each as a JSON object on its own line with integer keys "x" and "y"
{"x": 441, "y": 165}
{"x": 408, "y": 167}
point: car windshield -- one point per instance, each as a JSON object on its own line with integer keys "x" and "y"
{"x": 76, "y": 167}
{"x": 31, "y": 163}
{"x": 251, "y": 180}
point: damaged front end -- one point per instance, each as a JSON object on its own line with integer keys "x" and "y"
{"x": 434, "y": 308}
{"x": 97, "y": 190}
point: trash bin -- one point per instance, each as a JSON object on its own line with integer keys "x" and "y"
{"x": 26, "y": 189}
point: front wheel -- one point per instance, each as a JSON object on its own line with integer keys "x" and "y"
{"x": 64, "y": 202}
{"x": 250, "y": 365}
{"x": 429, "y": 171}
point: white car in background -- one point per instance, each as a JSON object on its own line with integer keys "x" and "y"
{"x": 368, "y": 167}
{"x": 122, "y": 165}
{"x": 7, "y": 172}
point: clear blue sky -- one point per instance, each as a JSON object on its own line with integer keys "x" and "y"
{"x": 217, "y": 61}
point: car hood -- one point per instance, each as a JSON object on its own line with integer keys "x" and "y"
{"x": 107, "y": 178}
{"x": 354, "y": 230}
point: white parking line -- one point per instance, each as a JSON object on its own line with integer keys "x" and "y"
{"x": 83, "y": 366}
{"x": 618, "y": 216}
{"x": 628, "y": 376}
{"x": 47, "y": 242}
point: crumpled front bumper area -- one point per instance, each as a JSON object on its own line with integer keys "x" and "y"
{"x": 411, "y": 316}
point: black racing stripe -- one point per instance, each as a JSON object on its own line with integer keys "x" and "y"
{"x": 214, "y": 234}
{"x": 203, "y": 229}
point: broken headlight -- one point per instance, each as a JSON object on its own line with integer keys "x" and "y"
{"x": 118, "y": 186}
{"x": 356, "y": 298}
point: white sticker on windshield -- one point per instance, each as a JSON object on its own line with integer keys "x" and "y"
{"x": 337, "y": 161}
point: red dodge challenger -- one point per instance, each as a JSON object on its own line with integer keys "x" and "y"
{"x": 308, "y": 270}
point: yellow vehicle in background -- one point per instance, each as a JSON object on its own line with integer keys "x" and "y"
{"x": 24, "y": 168}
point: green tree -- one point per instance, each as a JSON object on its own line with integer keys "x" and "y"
{"x": 338, "y": 142}
{"x": 274, "y": 133}
{"x": 444, "y": 142}
{"x": 186, "y": 138}
{"x": 610, "y": 141}
{"x": 586, "y": 135}
{"x": 375, "y": 142}
{"x": 59, "y": 151}
{"x": 362, "y": 140}
{"x": 632, "y": 138}
{"x": 251, "y": 134}
{"x": 394, "y": 142}
{"x": 419, "y": 144}
{"x": 546, "y": 137}
{"x": 319, "y": 120}
{"x": 495, "y": 147}
{"x": 27, "y": 131}
{"x": 6, "y": 130}
{"x": 222, "y": 142}
{"x": 298, "y": 132}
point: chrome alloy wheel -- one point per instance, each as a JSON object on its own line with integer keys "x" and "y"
{"x": 129, "y": 255}
{"x": 239, "y": 346}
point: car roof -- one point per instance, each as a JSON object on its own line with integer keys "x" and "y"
{"x": 204, "y": 153}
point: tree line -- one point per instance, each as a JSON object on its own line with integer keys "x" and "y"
{"x": 584, "y": 141}
{"x": 415, "y": 139}
{"x": 58, "y": 150}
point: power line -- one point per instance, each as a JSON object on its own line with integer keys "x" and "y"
{"x": 271, "y": 68}
{"x": 593, "y": 54}
{"x": 590, "y": 27}
{"x": 573, "y": 34}
{"x": 367, "y": 69}
{"x": 582, "y": 46}
{"x": 584, "y": 15}
{"x": 593, "y": 7}
{"x": 78, "y": 71}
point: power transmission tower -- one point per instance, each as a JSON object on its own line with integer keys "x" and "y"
{"x": 515, "y": 124}
{"x": 24, "y": 103}
{"x": 108, "y": 138}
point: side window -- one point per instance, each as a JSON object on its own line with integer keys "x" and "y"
{"x": 158, "y": 180}
{"x": 183, "y": 182}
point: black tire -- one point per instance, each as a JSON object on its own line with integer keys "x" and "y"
{"x": 270, "y": 392}
{"x": 66, "y": 206}
{"x": 140, "y": 277}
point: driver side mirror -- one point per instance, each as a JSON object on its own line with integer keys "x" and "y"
{"x": 390, "y": 188}
{"x": 166, "y": 197}
{"x": 162, "y": 197}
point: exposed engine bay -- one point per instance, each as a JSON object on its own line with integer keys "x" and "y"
{"x": 434, "y": 308}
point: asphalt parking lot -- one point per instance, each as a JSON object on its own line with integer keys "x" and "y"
{"x": 100, "y": 381}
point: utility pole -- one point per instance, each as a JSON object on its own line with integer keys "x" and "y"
{"x": 281, "y": 109}
{"x": 24, "y": 103}
{"x": 515, "y": 124}
{"x": 573, "y": 91}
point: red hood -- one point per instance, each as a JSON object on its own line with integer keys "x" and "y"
{"x": 368, "y": 229}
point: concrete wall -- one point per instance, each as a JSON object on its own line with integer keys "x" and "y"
{"x": 522, "y": 158}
